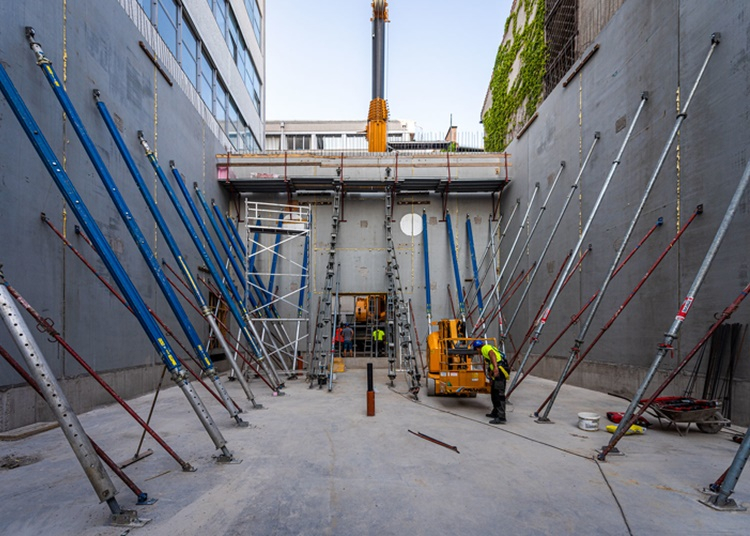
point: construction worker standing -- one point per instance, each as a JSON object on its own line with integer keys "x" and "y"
{"x": 377, "y": 337}
{"x": 348, "y": 335}
{"x": 497, "y": 370}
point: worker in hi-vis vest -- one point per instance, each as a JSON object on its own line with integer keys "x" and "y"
{"x": 497, "y": 371}
{"x": 377, "y": 337}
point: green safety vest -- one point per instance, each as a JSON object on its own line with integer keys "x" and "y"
{"x": 501, "y": 363}
{"x": 378, "y": 334}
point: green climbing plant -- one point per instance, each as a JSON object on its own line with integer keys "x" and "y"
{"x": 513, "y": 103}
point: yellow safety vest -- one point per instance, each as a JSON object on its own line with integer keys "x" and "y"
{"x": 378, "y": 334}
{"x": 500, "y": 359}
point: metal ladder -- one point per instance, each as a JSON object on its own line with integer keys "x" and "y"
{"x": 318, "y": 371}
{"x": 398, "y": 329}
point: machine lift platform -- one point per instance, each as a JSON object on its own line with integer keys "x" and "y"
{"x": 454, "y": 368}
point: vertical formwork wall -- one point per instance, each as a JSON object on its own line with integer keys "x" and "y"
{"x": 96, "y": 45}
{"x": 657, "y": 47}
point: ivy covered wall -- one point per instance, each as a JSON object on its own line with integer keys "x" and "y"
{"x": 515, "y": 101}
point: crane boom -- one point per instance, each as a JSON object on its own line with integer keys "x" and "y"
{"x": 378, "y": 115}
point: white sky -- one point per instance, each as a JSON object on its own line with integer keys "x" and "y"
{"x": 439, "y": 57}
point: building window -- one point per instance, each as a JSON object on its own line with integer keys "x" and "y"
{"x": 251, "y": 78}
{"x": 251, "y": 143}
{"x": 234, "y": 132}
{"x": 233, "y": 35}
{"x": 166, "y": 23}
{"x": 206, "y": 81}
{"x": 189, "y": 53}
{"x": 273, "y": 142}
{"x": 356, "y": 142}
{"x": 254, "y": 13}
{"x": 560, "y": 31}
{"x": 220, "y": 14}
{"x": 220, "y": 111}
{"x": 146, "y": 5}
{"x": 298, "y": 142}
{"x": 329, "y": 142}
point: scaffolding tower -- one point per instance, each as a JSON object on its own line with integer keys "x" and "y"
{"x": 276, "y": 276}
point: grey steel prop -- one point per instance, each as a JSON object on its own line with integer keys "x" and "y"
{"x": 532, "y": 275}
{"x": 550, "y": 304}
{"x": 60, "y": 407}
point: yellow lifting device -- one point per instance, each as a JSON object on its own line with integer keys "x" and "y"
{"x": 454, "y": 368}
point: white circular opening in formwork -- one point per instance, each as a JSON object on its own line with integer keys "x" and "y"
{"x": 411, "y": 225}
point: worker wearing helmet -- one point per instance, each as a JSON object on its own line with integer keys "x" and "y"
{"x": 496, "y": 368}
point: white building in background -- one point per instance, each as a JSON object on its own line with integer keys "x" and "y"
{"x": 350, "y": 136}
{"x": 330, "y": 135}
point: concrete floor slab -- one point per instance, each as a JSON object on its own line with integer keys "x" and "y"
{"x": 313, "y": 463}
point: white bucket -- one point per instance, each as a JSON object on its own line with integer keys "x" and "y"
{"x": 588, "y": 421}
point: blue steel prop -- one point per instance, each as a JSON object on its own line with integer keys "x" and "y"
{"x": 256, "y": 284}
{"x": 224, "y": 245}
{"x": 237, "y": 251}
{"x": 301, "y": 298}
{"x": 174, "y": 303}
{"x": 153, "y": 264}
{"x": 484, "y": 267}
{"x": 426, "y": 255}
{"x": 275, "y": 259}
{"x": 230, "y": 236}
{"x": 199, "y": 246}
{"x": 237, "y": 237}
{"x": 76, "y": 204}
{"x": 303, "y": 277}
{"x": 456, "y": 273}
{"x": 475, "y": 269}
{"x": 219, "y": 260}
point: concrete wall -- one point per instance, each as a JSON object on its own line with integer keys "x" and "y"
{"x": 656, "y": 47}
{"x": 92, "y": 45}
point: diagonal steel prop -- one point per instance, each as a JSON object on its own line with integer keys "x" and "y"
{"x": 550, "y": 400}
{"x": 682, "y": 313}
{"x": 532, "y": 275}
{"x": 540, "y": 323}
